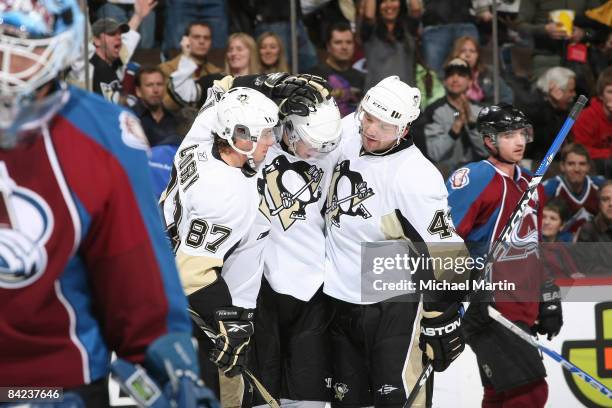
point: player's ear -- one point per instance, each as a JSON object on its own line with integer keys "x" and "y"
{"x": 488, "y": 143}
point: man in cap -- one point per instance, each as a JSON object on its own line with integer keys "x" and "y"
{"x": 450, "y": 123}
{"x": 110, "y": 68}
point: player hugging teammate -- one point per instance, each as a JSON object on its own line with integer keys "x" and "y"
{"x": 306, "y": 338}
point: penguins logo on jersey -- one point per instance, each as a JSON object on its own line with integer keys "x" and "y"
{"x": 290, "y": 188}
{"x": 26, "y": 223}
{"x": 352, "y": 203}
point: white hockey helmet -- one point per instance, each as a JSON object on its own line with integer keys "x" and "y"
{"x": 393, "y": 102}
{"x": 246, "y": 114}
{"x": 320, "y": 131}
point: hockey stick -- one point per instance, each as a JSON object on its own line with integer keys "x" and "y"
{"x": 516, "y": 215}
{"x": 494, "y": 313}
{"x": 212, "y": 335}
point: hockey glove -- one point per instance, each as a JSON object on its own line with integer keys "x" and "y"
{"x": 477, "y": 317}
{"x": 232, "y": 342}
{"x": 550, "y": 318}
{"x": 296, "y": 94}
{"x": 171, "y": 377}
{"x": 441, "y": 336}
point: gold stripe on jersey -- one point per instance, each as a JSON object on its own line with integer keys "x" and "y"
{"x": 414, "y": 364}
{"x": 232, "y": 390}
{"x": 396, "y": 226}
{"x": 196, "y": 272}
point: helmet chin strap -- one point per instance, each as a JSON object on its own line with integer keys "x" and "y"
{"x": 500, "y": 158}
{"x": 393, "y": 146}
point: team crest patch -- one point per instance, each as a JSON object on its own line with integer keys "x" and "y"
{"x": 291, "y": 187}
{"x": 348, "y": 202}
{"x": 131, "y": 132}
{"x": 26, "y": 223}
{"x": 340, "y": 390}
{"x": 460, "y": 178}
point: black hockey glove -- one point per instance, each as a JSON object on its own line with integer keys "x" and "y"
{"x": 232, "y": 343}
{"x": 441, "y": 336}
{"x": 296, "y": 94}
{"x": 550, "y": 318}
{"x": 477, "y": 317}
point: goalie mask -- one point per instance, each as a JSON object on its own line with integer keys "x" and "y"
{"x": 38, "y": 40}
{"x": 246, "y": 115}
{"x": 315, "y": 134}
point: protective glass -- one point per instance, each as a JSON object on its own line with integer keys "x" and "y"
{"x": 376, "y": 129}
{"x": 526, "y": 133}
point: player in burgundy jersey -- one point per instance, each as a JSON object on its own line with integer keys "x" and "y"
{"x": 84, "y": 266}
{"x": 482, "y": 197}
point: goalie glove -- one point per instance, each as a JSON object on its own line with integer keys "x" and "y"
{"x": 171, "y": 377}
{"x": 550, "y": 317}
{"x": 232, "y": 342}
{"x": 296, "y": 94}
{"x": 441, "y": 337}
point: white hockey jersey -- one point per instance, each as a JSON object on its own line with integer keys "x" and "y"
{"x": 211, "y": 212}
{"x": 295, "y": 191}
{"x": 373, "y": 198}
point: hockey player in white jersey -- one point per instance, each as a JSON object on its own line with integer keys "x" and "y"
{"x": 383, "y": 188}
{"x": 291, "y": 352}
{"x": 210, "y": 208}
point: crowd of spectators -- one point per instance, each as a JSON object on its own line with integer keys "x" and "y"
{"x": 442, "y": 47}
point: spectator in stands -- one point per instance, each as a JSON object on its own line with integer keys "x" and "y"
{"x": 274, "y": 15}
{"x": 594, "y": 259}
{"x": 594, "y": 125}
{"x": 346, "y": 81}
{"x": 181, "y": 13}
{"x": 271, "y": 53}
{"x": 110, "y": 69}
{"x": 196, "y": 44}
{"x": 550, "y": 38}
{"x": 554, "y": 215}
{"x": 450, "y": 123}
{"x": 158, "y": 123}
{"x": 443, "y": 22}
{"x": 556, "y": 254}
{"x": 600, "y": 55}
{"x": 481, "y": 90}
{"x": 123, "y": 10}
{"x": 388, "y": 45}
{"x": 242, "y": 56}
{"x": 575, "y": 187}
{"x": 548, "y": 108}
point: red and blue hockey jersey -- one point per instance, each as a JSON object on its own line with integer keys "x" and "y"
{"x": 583, "y": 206}
{"x": 482, "y": 198}
{"x": 84, "y": 264}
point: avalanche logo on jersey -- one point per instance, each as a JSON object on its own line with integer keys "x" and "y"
{"x": 351, "y": 201}
{"x": 26, "y": 223}
{"x": 291, "y": 187}
{"x": 524, "y": 235}
{"x": 460, "y": 178}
